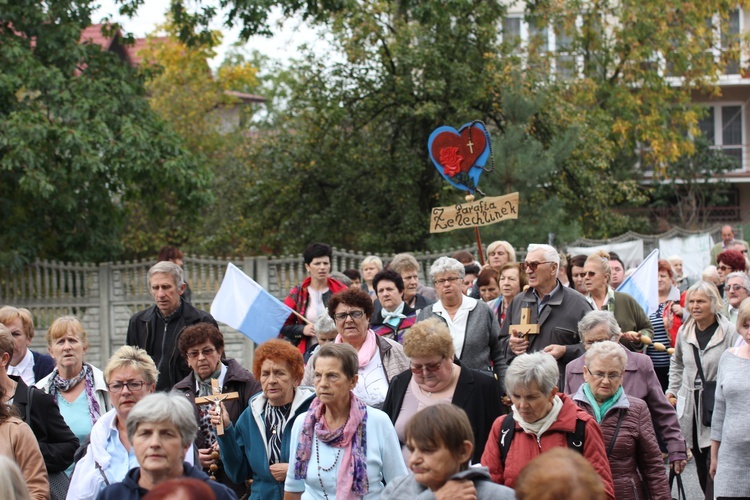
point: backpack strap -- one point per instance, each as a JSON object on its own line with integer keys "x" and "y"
{"x": 508, "y": 429}
{"x": 577, "y": 437}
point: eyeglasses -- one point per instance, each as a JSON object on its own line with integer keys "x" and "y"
{"x": 443, "y": 281}
{"x": 590, "y": 274}
{"x": 725, "y": 268}
{"x": 611, "y": 376}
{"x": 736, "y": 288}
{"x": 353, "y": 314}
{"x": 206, "y": 353}
{"x": 534, "y": 264}
{"x": 133, "y": 386}
{"x": 431, "y": 368}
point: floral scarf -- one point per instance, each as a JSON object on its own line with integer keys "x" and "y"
{"x": 352, "y": 436}
{"x": 58, "y": 384}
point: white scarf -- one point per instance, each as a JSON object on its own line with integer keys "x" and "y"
{"x": 543, "y": 424}
{"x": 393, "y": 317}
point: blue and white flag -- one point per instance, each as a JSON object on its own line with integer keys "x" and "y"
{"x": 244, "y": 305}
{"x": 643, "y": 284}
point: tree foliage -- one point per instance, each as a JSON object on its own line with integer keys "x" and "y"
{"x": 80, "y": 148}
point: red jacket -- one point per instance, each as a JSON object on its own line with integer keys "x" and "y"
{"x": 525, "y": 448}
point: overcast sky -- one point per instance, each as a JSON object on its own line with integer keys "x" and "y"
{"x": 282, "y": 46}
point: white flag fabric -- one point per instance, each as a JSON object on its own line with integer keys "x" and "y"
{"x": 643, "y": 284}
{"x": 245, "y": 306}
{"x": 694, "y": 249}
{"x": 630, "y": 252}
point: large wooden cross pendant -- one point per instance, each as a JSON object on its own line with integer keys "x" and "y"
{"x": 526, "y": 328}
{"x": 216, "y": 398}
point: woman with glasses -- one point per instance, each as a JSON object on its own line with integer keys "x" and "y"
{"x": 473, "y": 327}
{"x": 729, "y": 261}
{"x": 380, "y": 358}
{"x": 131, "y": 375}
{"x": 629, "y": 437}
{"x": 512, "y": 280}
{"x": 629, "y": 314}
{"x": 202, "y": 345}
{"x": 701, "y": 341}
{"x": 434, "y": 377}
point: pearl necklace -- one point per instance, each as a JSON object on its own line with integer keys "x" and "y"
{"x": 324, "y": 469}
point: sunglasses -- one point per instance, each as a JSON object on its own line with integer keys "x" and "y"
{"x": 725, "y": 268}
{"x": 531, "y": 266}
{"x": 432, "y": 368}
{"x": 590, "y": 274}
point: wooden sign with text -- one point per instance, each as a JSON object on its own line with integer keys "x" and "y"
{"x": 484, "y": 212}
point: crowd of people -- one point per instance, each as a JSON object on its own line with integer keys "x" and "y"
{"x": 531, "y": 380}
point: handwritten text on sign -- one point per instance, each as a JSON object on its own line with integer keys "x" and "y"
{"x": 477, "y": 213}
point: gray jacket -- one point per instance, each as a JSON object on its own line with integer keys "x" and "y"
{"x": 558, "y": 324}
{"x": 683, "y": 371}
{"x": 407, "y": 488}
{"x": 482, "y": 349}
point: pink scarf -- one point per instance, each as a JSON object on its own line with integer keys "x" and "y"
{"x": 352, "y": 437}
{"x": 368, "y": 349}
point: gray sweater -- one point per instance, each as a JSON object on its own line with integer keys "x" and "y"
{"x": 731, "y": 427}
{"x": 407, "y": 488}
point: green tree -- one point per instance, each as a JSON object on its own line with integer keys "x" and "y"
{"x": 80, "y": 148}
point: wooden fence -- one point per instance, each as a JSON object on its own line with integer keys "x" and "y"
{"x": 104, "y": 296}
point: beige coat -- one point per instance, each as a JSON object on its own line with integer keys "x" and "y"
{"x": 17, "y": 442}
{"x": 683, "y": 370}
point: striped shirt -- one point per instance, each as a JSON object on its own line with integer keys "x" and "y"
{"x": 660, "y": 358}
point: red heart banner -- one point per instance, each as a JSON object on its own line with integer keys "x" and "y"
{"x": 457, "y": 152}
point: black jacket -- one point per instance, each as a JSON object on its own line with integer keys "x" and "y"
{"x": 141, "y": 334}
{"x": 57, "y": 442}
{"x": 128, "y": 489}
{"x": 476, "y": 393}
{"x": 43, "y": 365}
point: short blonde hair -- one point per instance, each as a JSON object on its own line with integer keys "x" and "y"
{"x": 9, "y": 314}
{"x": 403, "y": 262}
{"x": 744, "y": 312}
{"x": 64, "y": 324}
{"x": 132, "y": 357}
{"x": 606, "y": 350}
{"x": 429, "y": 338}
{"x": 371, "y": 259}
{"x": 507, "y": 246}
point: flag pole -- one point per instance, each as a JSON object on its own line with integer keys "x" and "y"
{"x": 469, "y": 199}
{"x": 301, "y": 317}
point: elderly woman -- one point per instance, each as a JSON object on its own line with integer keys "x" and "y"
{"x": 310, "y": 298}
{"x": 727, "y": 262}
{"x": 18, "y": 443}
{"x": 737, "y": 289}
{"x": 392, "y": 316}
{"x": 441, "y": 441}
{"x": 632, "y": 449}
{"x": 629, "y": 314}
{"x": 202, "y": 345}
{"x": 475, "y": 332}
{"x": 131, "y": 375}
{"x": 342, "y": 447}
{"x": 416, "y": 295}
{"x": 729, "y": 426}
{"x": 542, "y": 419}
{"x": 325, "y": 332}
{"x": 434, "y": 377}
{"x": 78, "y": 388}
{"x": 576, "y": 273}
{"x": 499, "y": 253}
{"x": 30, "y": 365}
{"x": 380, "y": 358}
{"x": 161, "y": 428}
{"x": 639, "y": 381}
{"x": 56, "y": 442}
{"x": 512, "y": 280}
{"x": 701, "y": 342}
{"x": 257, "y": 445}
{"x": 370, "y": 266}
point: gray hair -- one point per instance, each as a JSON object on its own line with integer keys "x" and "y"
{"x": 596, "y": 318}
{"x": 744, "y": 277}
{"x": 344, "y": 353}
{"x": 550, "y": 254}
{"x": 711, "y": 292}
{"x": 371, "y": 259}
{"x": 538, "y": 367}
{"x": 166, "y": 267}
{"x": 710, "y": 273}
{"x": 447, "y": 265}
{"x": 605, "y": 350}
{"x": 172, "y": 407}
{"x": 674, "y": 258}
{"x": 324, "y": 324}
{"x": 507, "y": 246}
{"x": 343, "y": 278}
{"x": 132, "y": 357}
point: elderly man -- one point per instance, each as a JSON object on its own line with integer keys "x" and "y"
{"x": 681, "y": 280}
{"x": 416, "y": 295}
{"x": 553, "y": 308}
{"x": 727, "y": 238}
{"x": 737, "y": 289}
{"x": 158, "y": 328}
{"x": 30, "y": 365}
